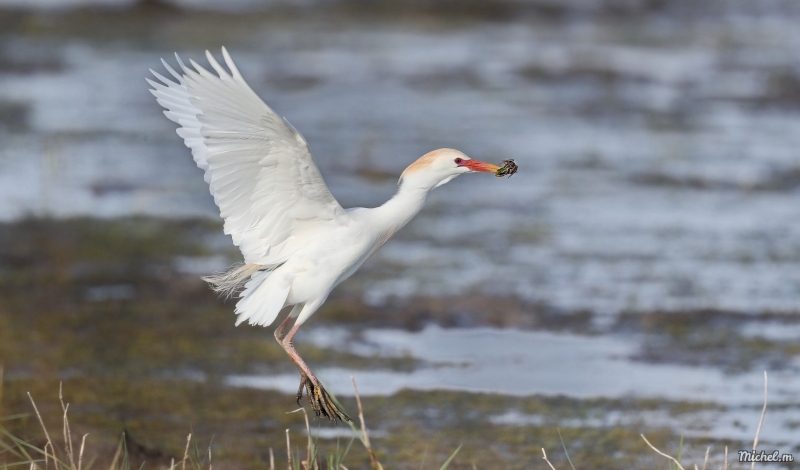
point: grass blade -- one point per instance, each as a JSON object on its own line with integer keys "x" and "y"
{"x": 565, "y": 449}
{"x": 450, "y": 459}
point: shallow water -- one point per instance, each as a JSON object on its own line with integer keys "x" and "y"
{"x": 522, "y": 363}
{"x": 659, "y": 165}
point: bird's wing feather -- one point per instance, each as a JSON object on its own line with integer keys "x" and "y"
{"x": 259, "y": 168}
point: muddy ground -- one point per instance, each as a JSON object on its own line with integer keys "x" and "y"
{"x": 142, "y": 348}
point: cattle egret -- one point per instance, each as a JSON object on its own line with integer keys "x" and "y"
{"x": 298, "y": 243}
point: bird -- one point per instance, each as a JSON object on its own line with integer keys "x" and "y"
{"x": 297, "y": 241}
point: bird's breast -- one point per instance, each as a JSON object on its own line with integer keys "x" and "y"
{"x": 326, "y": 262}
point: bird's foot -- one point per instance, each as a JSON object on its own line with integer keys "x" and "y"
{"x": 318, "y": 398}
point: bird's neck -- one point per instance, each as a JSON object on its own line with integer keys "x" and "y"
{"x": 401, "y": 208}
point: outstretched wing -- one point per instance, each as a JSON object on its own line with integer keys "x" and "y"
{"x": 259, "y": 168}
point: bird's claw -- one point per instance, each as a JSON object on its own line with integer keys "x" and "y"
{"x": 320, "y": 401}
{"x": 303, "y": 380}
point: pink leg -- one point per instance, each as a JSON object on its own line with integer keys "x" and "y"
{"x": 318, "y": 397}
{"x": 280, "y": 329}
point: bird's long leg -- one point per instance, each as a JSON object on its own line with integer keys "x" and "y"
{"x": 279, "y": 335}
{"x": 281, "y": 328}
{"x": 318, "y": 397}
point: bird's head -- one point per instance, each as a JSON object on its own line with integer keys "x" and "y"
{"x": 440, "y": 166}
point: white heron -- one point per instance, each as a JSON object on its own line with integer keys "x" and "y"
{"x": 298, "y": 243}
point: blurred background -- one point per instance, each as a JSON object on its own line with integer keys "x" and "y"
{"x": 637, "y": 275}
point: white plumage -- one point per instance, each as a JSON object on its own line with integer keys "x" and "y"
{"x": 259, "y": 169}
{"x": 297, "y": 241}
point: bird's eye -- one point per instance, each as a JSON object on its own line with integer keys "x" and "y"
{"x": 458, "y": 161}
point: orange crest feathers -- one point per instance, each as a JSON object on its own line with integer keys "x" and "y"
{"x": 424, "y": 161}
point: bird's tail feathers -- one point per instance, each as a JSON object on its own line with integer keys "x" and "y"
{"x": 263, "y": 297}
{"x": 230, "y": 282}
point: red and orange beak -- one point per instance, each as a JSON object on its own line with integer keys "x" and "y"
{"x": 477, "y": 165}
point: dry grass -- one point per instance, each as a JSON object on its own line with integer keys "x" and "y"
{"x": 64, "y": 457}
{"x": 70, "y": 454}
